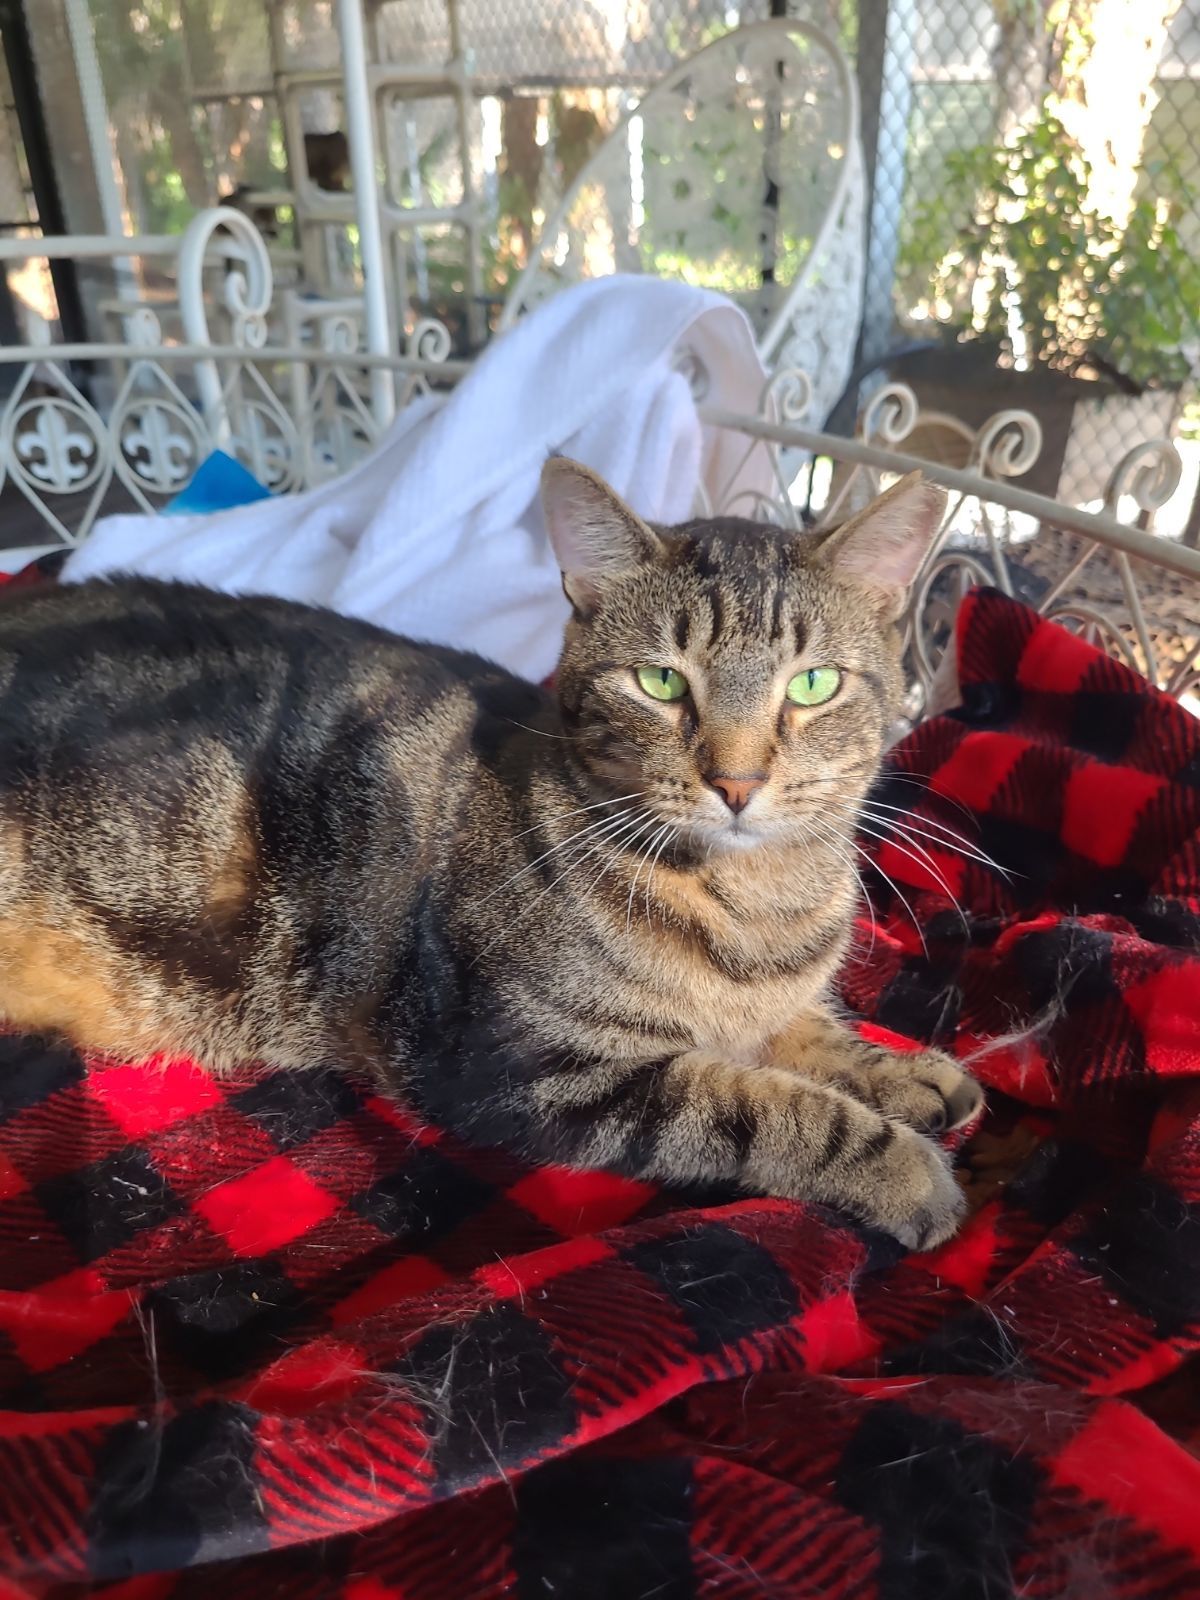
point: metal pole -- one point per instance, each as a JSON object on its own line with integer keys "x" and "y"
{"x": 888, "y": 171}
{"x": 310, "y": 240}
{"x": 768, "y": 298}
{"x": 1191, "y": 531}
{"x": 360, "y": 134}
{"x": 95, "y": 117}
{"x": 461, "y": 66}
{"x": 884, "y": 63}
{"x": 22, "y": 73}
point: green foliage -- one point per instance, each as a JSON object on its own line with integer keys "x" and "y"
{"x": 1021, "y": 256}
{"x": 845, "y": 14}
{"x": 173, "y": 153}
{"x": 165, "y": 206}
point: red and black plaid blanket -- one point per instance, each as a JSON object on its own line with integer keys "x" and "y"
{"x": 270, "y": 1337}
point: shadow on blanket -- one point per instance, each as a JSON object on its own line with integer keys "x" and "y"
{"x": 272, "y": 1323}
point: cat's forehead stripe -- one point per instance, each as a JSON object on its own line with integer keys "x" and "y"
{"x": 748, "y": 587}
{"x": 717, "y": 607}
{"x": 777, "y": 604}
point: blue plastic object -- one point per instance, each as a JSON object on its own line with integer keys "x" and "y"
{"x": 220, "y": 484}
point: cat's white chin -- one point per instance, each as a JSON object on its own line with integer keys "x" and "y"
{"x": 741, "y": 839}
{"x": 735, "y": 836}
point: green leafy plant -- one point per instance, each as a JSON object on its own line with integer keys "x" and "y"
{"x": 1023, "y": 259}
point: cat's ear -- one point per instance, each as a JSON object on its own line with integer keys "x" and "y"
{"x": 882, "y": 548}
{"x": 594, "y": 534}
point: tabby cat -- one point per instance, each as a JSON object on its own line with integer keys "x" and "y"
{"x": 598, "y": 927}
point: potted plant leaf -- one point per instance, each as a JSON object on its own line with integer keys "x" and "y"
{"x": 1045, "y": 303}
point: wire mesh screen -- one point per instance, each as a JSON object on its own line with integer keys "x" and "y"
{"x": 1036, "y": 216}
{"x": 189, "y": 103}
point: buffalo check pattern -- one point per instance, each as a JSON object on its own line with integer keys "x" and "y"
{"x": 269, "y": 1335}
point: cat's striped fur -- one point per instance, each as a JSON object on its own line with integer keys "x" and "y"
{"x": 245, "y": 829}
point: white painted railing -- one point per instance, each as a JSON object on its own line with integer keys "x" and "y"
{"x": 278, "y": 382}
{"x": 1102, "y": 572}
{"x": 283, "y": 384}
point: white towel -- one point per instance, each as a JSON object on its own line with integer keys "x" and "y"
{"x": 438, "y": 534}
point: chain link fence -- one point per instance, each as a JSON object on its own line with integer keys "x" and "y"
{"x": 1036, "y": 219}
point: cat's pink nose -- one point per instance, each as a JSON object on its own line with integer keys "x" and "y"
{"x": 737, "y": 791}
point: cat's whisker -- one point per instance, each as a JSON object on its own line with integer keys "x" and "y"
{"x": 637, "y": 874}
{"x": 923, "y": 784}
{"x": 923, "y": 860}
{"x": 541, "y": 732}
{"x": 673, "y": 834}
{"x": 577, "y": 837}
{"x": 913, "y": 831}
{"x": 579, "y": 810}
{"x": 946, "y": 837}
{"x": 866, "y": 900}
{"x": 629, "y": 841}
{"x": 624, "y": 843}
{"x": 615, "y": 832}
{"x": 616, "y": 841}
{"x": 894, "y": 836}
{"x": 832, "y": 843}
{"x": 633, "y": 883}
{"x": 891, "y": 833}
{"x": 836, "y": 843}
{"x": 954, "y": 840}
{"x": 895, "y": 888}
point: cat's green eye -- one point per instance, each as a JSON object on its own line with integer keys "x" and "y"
{"x": 662, "y": 683}
{"x": 814, "y": 687}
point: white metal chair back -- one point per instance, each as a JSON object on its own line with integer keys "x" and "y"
{"x": 740, "y": 171}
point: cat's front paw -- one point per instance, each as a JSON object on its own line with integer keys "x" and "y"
{"x": 893, "y": 1179}
{"x": 925, "y": 1089}
{"x": 918, "y": 1200}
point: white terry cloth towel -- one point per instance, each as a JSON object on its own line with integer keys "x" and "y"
{"x": 438, "y": 533}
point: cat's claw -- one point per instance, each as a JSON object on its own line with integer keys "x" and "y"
{"x": 925, "y": 1089}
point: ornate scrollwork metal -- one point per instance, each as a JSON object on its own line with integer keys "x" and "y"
{"x": 788, "y": 396}
{"x": 54, "y": 443}
{"x": 929, "y": 624}
{"x": 264, "y": 438}
{"x": 1150, "y": 473}
{"x": 56, "y": 448}
{"x": 339, "y": 427}
{"x": 890, "y": 416}
{"x": 156, "y": 437}
{"x": 246, "y": 293}
{"x": 430, "y": 341}
{"x": 296, "y": 422}
{"x": 1185, "y": 680}
{"x": 1008, "y": 445}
